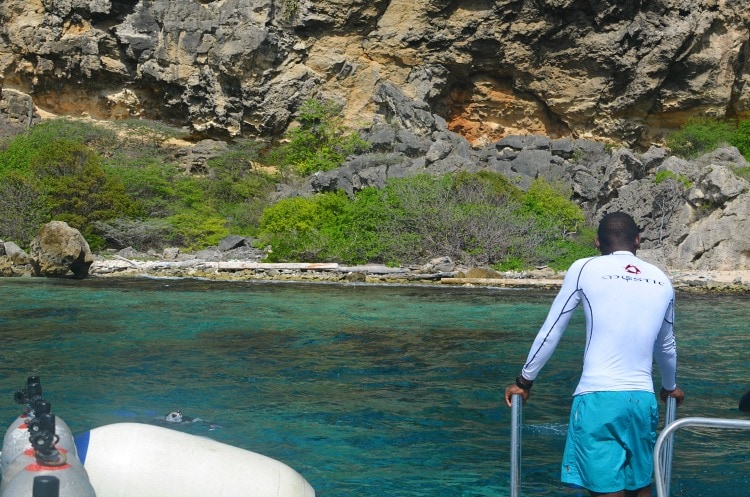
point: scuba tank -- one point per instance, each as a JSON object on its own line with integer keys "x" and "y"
{"x": 16, "y": 438}
{"x": 44, "y": 459}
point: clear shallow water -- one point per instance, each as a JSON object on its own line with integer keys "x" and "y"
{"x": 366, "y": 391}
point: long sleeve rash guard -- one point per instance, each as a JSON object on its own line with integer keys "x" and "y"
{"x": 629, "y": 308}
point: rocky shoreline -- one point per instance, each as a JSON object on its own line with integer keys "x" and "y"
{"x": 251, "y": 270}
{"x": 437, "y": 272}
{"x": 59, "y": 251}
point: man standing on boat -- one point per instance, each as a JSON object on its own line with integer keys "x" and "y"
{"x": 629, "y": 308}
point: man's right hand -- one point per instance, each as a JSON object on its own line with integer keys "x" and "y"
{"x": 515, "y": 389}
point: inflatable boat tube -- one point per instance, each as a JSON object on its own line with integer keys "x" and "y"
{"x": 129, "y": 459}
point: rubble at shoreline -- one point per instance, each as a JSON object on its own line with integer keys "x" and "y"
{"x": 439, "y": 272}
{"x": 236, "y": 260}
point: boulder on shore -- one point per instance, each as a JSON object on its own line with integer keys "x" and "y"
{"x": 59, "y": 250}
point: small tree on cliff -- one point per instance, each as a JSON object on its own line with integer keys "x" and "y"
{"x": 320, "y": 142}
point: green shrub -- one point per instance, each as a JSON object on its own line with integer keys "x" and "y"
{"x": 152, "y": 184}
{"x": 127, "y": 187}
{"x": 479, "y": 219}
{"x": 176, "y": 204}
{"x": 699, "y": 136}
{"x": 702, "y": 135}
{"x": 511, "y": 263}
{"x": 233, "y": 178}
{"x": 303, "y": 228}
{"x": 319, "y": 143}
{"x": 238, "y": 189}
{"x": 741, "y": 138}
{"x": 465, "y": 217}
{"x": 559, "y": 254}
{"x": 665, "y": 175}
{"x": 141, "y": 234}
{"x": 194, "y": 230}
{"x": 743, "y": 172}
{"x": 68, "y": 183}
{"x": 232, "y": 191}
{"x": 550, "y": 203}
{"x": 23, "y": 207}
{"x": 491, "y": 184}
{"x": 77, "y": 189}
{"x": 22, "y": 150}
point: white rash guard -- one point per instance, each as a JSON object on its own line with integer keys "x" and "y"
{"x": 629, "y": 307}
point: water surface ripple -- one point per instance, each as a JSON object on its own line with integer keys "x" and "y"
{"x": 365, "y": 390}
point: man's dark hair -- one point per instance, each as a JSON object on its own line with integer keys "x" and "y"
{"x": 617, "y": 229}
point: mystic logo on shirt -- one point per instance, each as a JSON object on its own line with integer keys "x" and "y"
{"x": 631, "y": 269}
{"x": 628, "y": 277}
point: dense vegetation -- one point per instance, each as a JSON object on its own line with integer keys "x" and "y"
{"x": 476, "y": 218}
{"x": 701, "y": 135}
{"x": 123, "y": 185}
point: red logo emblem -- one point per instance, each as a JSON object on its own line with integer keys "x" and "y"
{"x": 631, "y": 269}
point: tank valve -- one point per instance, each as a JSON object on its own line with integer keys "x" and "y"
{"x": 31, "y": 394}
{"x": 43, "y": 440}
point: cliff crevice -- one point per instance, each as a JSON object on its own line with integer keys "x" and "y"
{"x": 625, "y": 72}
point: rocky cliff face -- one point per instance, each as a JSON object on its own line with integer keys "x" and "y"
{"x": 693, "y": 214}
{"x": 517, "y": 87}
{"x": 625, "y": 71}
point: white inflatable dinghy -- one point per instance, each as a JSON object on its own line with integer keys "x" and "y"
{"x": 133, "y": 459}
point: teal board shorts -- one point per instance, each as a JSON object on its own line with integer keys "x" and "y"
{"x": 611, "y": 438}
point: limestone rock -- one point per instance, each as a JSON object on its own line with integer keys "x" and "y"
{"x": 626, "y": 71}
{"x": 171, "y": 253}
{"x": 483, "y": 273}
{"x": 355, "y": 277}
{"x": 438, "y": 265}
{"x": 718, "y": 185}
{"x": 15, "y": 253}
{"x": 17, "y": 111}
{"x": 232, "y": 242}
{"x": 6, "y": 266}
{"x": 59, "y": 250}
{"x": 719, "y": 241}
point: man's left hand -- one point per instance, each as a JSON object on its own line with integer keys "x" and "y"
{"x": 677, "y": 393}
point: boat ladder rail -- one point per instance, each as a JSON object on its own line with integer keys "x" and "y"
{"x": 663, "y": 449}
{"x": 662, "y": 470}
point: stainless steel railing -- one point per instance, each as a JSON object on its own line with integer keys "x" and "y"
{"x": 515, "y": 446}
{"x": 665, "y": 462}
{"x": 662, "y": 458}
{"x": 661, "y": 483}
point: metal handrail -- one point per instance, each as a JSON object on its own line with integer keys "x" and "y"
{"x": 732, "y": 424}
{"x": 515, "y": 445}
{"x": 666, "y": 460}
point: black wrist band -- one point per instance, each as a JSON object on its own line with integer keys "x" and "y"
{"x": 521, "y": 384}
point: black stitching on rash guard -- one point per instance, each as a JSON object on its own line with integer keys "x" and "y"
{"x": 578, "y": 289}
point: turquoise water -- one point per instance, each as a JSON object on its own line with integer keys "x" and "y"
{"x": 365, "y": 390}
